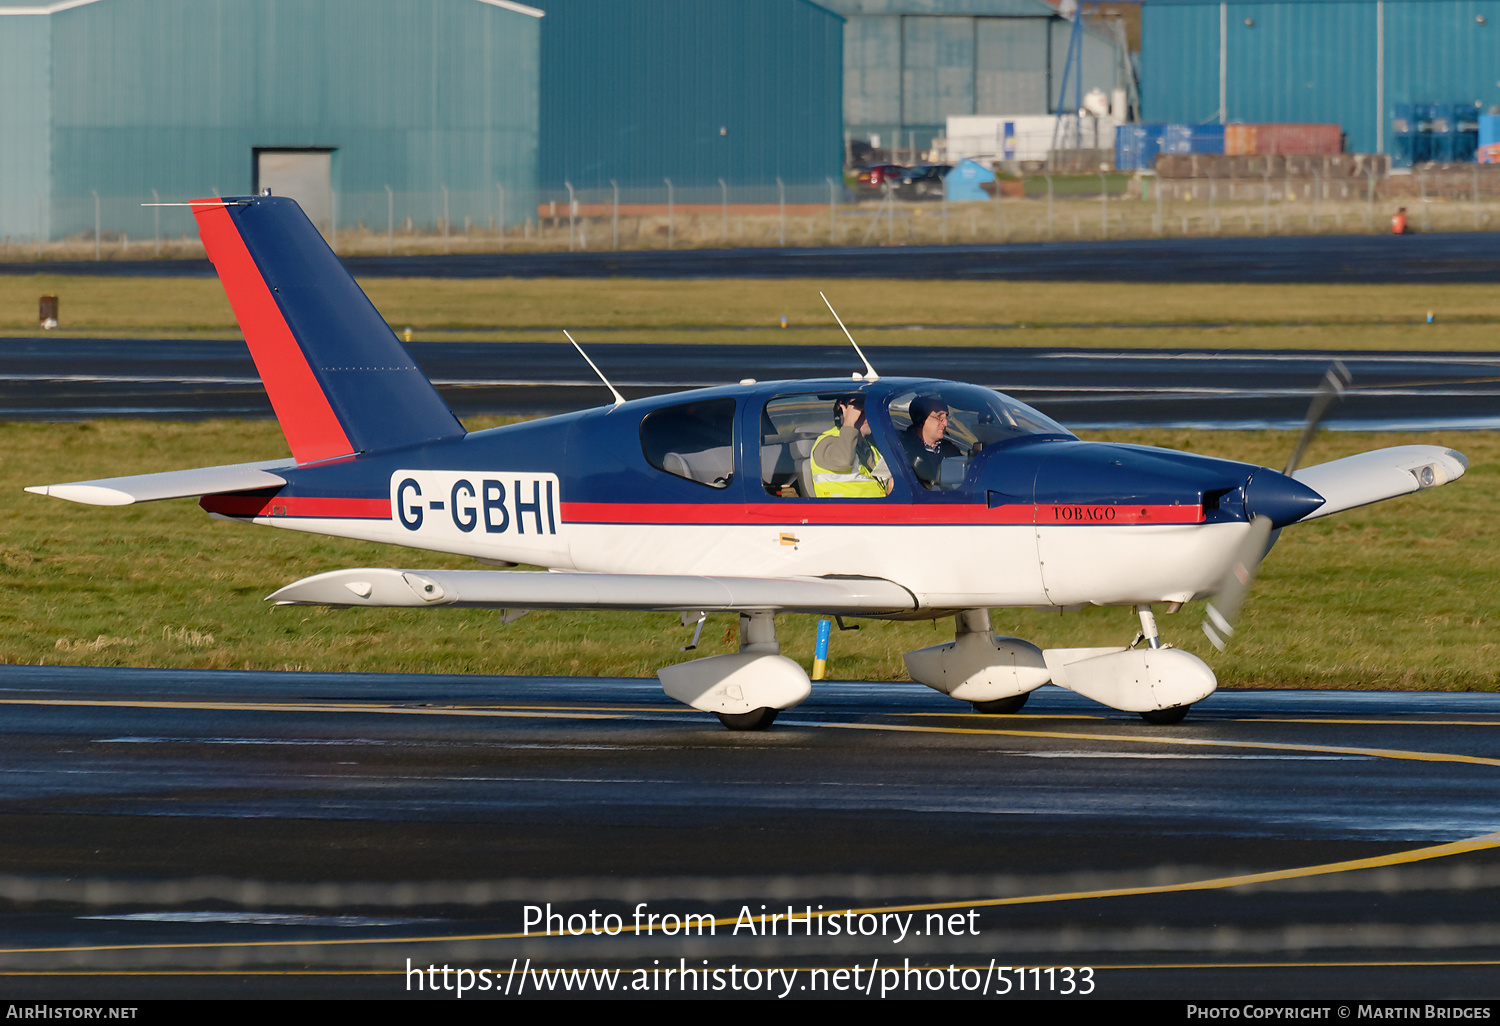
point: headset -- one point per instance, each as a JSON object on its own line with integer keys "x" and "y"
{"x": 848, "y": 399}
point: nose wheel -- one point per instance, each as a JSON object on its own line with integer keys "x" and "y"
{"x": 1166, "y": 717}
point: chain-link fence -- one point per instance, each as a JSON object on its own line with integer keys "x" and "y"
{"x": 1038, "y": 207}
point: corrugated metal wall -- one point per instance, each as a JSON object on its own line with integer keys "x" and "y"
{"x": 175, "y": 95}
{"x": 1318, "y": 61}
{"x": 640, "y": 91}
{"x": 25, "y": 115}
{"x": 910, "y": 64}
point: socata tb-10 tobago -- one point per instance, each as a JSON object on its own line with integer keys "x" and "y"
{"x": 705, "y": 501}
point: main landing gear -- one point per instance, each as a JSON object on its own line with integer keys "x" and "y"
{"x": 996, "y": 675}
{"x": 745, "y": 689}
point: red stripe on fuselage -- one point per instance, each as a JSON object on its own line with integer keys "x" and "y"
{"x": 297, "y": 506}
{"x": 311, "y": 427}
{"x": 875, "y": 512}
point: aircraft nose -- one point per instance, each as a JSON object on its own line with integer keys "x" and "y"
{"x": 1279, "y": 498}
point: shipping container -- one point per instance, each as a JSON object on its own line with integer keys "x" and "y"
{"x": 1298, "y": 139}
{"x": 1489, "y": 139}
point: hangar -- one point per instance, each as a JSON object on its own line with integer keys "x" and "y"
{"x": 1349, "y": 62}
{"x": 368, "y": 103}
{"x": 909, "y": 65}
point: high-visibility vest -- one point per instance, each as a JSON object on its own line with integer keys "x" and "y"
{"x": 859, "y": 483}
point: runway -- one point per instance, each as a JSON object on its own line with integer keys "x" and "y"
{"x": 43, "y": 379}
{"x": 1448, "y": 258}
{"x": 182, "y": 833}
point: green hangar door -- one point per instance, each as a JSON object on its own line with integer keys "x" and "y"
{"x": 306, "y": 175}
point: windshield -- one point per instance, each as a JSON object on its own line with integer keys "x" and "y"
{"x": 943, "y": 426}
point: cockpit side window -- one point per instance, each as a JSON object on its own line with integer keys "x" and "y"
{"x": 694, "y": 441}
{"x": 943, "y": 427}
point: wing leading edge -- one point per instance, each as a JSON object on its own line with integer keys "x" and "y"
{"x": 1380, "y": 474}
{"x": 541, "y": 590}
{"x": 171, "y": 484}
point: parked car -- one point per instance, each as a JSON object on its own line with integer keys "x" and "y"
{"x": 875, "y": 179}
{"x": 922, "y": 182}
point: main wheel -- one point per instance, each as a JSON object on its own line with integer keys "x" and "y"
{"x": 1166, "y": 717}
{"x": 1000, "y": 706}
{"x": 755, "y": 719}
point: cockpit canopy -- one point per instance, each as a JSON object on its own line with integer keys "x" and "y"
{"x": 977, "y": 418}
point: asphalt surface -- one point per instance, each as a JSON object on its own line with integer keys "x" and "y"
{"x": 1457, "y": 257}
{"x": 209, "y": 833}
{"x": 72, "y": 379}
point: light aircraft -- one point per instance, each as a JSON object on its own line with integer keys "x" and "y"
{"x": 704, "y": 501}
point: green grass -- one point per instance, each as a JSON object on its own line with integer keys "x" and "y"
{"x": 1035, "y": 313}
{"x": 1392, "y": 596}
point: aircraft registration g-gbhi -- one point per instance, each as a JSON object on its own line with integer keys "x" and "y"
{"x": 864, "y": 497}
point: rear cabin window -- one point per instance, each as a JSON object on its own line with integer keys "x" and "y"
{"x": 694, "y": 441}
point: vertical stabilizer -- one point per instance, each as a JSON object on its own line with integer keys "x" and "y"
{"x": 338, "y": 378}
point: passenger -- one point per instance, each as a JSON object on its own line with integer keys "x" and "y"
{"x": 844, "y": 463}
{"x": 925, "y": 441}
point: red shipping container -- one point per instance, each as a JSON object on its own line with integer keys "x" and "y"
{"x": 1298, "y": 139}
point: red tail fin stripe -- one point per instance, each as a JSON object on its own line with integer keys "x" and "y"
{"x": 311, "y": 427}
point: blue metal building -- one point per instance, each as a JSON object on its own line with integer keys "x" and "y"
{"x": 910, "y": 64}
{"x": 639, "y": 91}
{"x": 109, "y": 102}
{"x": 1349, "y": 62}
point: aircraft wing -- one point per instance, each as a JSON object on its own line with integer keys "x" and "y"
{"x": 1381, "y": 474}
{"x": 172, "y": 484}
{"x": 519, "y": 589}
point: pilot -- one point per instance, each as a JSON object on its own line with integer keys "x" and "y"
{"x": 844, "y": 464}
{"x": 925, "y": 441}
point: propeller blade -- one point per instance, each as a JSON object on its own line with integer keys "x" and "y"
{"x": 1221, "y": 614}
{"x": 1335, "y": 383}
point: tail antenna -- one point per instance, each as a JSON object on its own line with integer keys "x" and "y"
{"x": 870, "y": 374}
{"x": 613, "y": 391}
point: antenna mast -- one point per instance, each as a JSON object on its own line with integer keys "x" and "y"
{"x": 613, "y": 391}
{"x": 870, "y": 374}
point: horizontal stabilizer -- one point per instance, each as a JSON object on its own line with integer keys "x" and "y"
{"x": 1381, "y": 474}
{"x": 539, "y": 590}
{"x": 172, "y": 484}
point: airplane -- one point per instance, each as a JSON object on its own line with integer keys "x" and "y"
{"x": 709, "y": 501}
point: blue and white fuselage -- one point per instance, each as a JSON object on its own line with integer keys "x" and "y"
{"x": 707, "y": 500}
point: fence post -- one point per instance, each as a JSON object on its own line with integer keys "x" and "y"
{"x": 1213, "y": 197}
{"x": 1049, "y": 205}
{"x": 390, "y": 221}
{"x": 156, "y": 218}
{"x": 615, "y": 216}
{"x": 1475, "y": 169}
{"x": 572, "y": 206}
{"x": 40, "y": 232}
{"x": 1265, "y": 220}
{"x": 1317, "y": 218}
{"x": 96, "y": 224}
{"x": 1103, "y": 206}
{"x": 1161, "y": 217}
{"x": 723, "y": 212}
{"x": 833, "y": 210}
{"x": 445, "y": 219}
{"x": 781, "y": 202}
{"x": 1422, "y": 183}
{"x": 671, "y": 218}
{"x": 1370, "y": 200}
{"x": 500, "y": 186}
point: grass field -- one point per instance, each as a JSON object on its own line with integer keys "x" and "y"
{"x": 1392, "y": 596}
{"x": 884, "y": 312}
